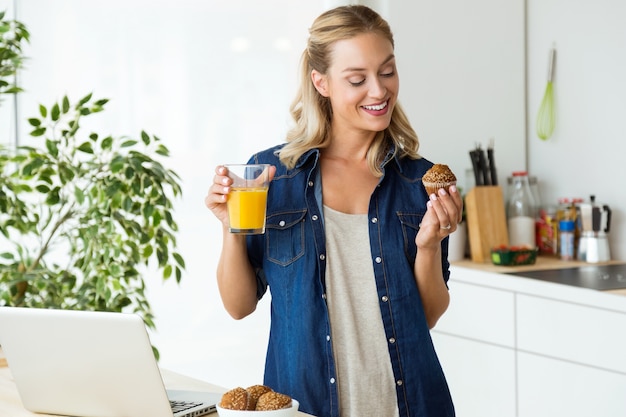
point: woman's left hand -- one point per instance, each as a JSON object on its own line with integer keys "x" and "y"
{"x": 443, "y": 215}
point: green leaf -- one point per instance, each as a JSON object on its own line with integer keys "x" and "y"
{"x": 66, "y": 105}
{"x": 145, "y": 137}
{"x": 52, "y": 148}
{"x": 80, "y": 196}
{"x": 34, "y": 122}
{"x": 38, "y": 132}
{"x": 86, "y": 147}
{"x": 113, "y": 188}
{"x": 32, "y": 166}
{"x": 117, "y": 164}
{"x": 167, "y": 271}
{"x": 107, "y": 143}
{"x": 129, "y": 143}
{"x": 179, "y": 259}
{"x": 84, "y": 100}
{"x": 162, "y": 150}
{"x": 55, "y": 112}
{"x": 43, "y": 111}
{"x": 43, "y": 189}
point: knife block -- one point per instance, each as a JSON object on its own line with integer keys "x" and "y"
{"x": 486, "y": 221}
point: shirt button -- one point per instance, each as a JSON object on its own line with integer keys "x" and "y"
{"x": 378, "y": 259}
{"x": 392, "y": 340}
{"x": 332, "y": 380}
{"x": 281, "y": 223}
{"x": 384, "y": 298}
{"x": 322, "y": 257}
{"x": 314, "y": 217}
{"x": 328, "y": 338}
{"x": 310, "y": 183}
{"x": 399, "y": 382}
{"x": 324, "y": 296}
{"x": 374, "y": 220}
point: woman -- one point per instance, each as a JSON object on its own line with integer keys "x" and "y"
{"x": 355, "y": 251}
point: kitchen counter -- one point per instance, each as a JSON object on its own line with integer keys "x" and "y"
{"x": 543, "y": 263}
{"x": 525, "y": 347}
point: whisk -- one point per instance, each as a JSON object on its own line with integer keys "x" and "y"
{"x": 545, "y": 117}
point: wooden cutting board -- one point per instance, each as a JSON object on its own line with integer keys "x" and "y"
{"x": 486, "y": 221}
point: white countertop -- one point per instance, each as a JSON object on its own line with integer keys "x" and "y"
{"x": 496, "y": 277}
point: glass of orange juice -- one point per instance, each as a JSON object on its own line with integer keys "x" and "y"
{"x": 247, "y": 198}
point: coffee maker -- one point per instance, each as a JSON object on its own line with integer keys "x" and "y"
{"x": 595, "y": 221}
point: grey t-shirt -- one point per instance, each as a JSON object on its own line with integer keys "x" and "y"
{"x": 364, "y": 374}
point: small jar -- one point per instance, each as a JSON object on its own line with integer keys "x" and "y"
{"x": 566, "y": 232}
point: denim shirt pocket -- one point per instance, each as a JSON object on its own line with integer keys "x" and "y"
{"x": 285, "y": 236}
{"x": 410, "y": 226}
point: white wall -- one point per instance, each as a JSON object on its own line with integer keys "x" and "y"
{"x": 213, "y": 79}
{"x": 586, "y": 153}
{"x": 462, "y": 75}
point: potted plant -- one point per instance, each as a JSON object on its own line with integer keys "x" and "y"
{"x": 84, "y": 217}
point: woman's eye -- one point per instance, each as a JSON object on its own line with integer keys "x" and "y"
{"x": 388, "y": 74}
{"x": 357, "y": 83}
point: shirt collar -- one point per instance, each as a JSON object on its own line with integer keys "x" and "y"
{"x": 391, "y": 155}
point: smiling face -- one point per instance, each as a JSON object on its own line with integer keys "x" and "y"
{"x": 361, "y": 82}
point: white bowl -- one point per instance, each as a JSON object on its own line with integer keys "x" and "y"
{"x": 283, "y": 412}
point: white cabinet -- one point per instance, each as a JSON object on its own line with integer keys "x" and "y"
{"x": 475, "y": 341}
{"x": 480, "y": 313}
{"x": 481, "y": 376}
{"x": 522, "y": 348}
{"x": 572, "y": 332}
{"x": 552, "y": 387}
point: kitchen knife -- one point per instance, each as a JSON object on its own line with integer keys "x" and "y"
{"x": 478, "y": 178}
{"x": 482, "y": 164}
{"x": 492, "y": 165}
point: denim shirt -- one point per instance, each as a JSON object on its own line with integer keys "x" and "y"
{"x": 290, "y": 258}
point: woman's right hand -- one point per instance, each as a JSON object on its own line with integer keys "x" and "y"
{"x": 218, "y": 194}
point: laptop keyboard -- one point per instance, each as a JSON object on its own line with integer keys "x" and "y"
{"x": 178, "y": 406}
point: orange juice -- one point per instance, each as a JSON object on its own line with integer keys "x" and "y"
{"x": 246, "y": 209}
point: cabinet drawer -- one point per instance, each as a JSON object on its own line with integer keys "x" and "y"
{"x": 481, "y": 376}
{"x": 550, "y": 388}
{"x": 572, "y": 332}
{"x": 480, "y": 313}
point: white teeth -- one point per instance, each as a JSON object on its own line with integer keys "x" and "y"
{"x": 378, "y": 107}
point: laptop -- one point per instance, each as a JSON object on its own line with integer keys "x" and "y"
{"x": 90, "y": 364}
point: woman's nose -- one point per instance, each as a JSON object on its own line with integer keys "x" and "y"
{"x": 377, "y": 88}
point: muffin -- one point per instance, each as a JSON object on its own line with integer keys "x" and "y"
{"x": 235, "y": 399}
{"x": 438, "y": 176}
{"x": 254, "y": 393}
{"x": 273, "y": 401}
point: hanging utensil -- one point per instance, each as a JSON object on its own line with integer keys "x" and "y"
{"x": 545, "y": 117}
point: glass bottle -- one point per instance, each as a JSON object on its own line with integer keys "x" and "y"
{"x": 521, "y": 212}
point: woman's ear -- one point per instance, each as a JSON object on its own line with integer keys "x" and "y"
{"x": 320, "y": 83}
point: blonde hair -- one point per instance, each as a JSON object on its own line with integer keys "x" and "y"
{"x": 312, "y": 112}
